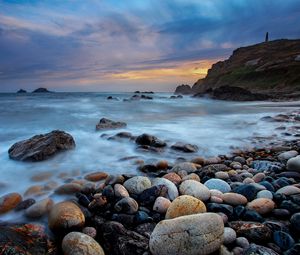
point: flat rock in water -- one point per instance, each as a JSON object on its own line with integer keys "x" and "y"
{"x": 105, "y": 124}
{"x": 189, "y": 148}
{"x": 41, "y": 147}
{"x": 150, "y": 140}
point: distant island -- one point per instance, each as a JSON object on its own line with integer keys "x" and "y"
{"x": 41, "y": 90}
{"x": 21, "y": 91}
{"x": 268, "y": 70}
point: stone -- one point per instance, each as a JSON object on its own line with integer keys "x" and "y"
{"x": 195, "y": 189}
{"x": 148, "y": 196}
{"x": 261, "y": 205}
{"x": 68, "y": 188}
{"x": 247, "y": 190}
{"x": 105, "y": 124}
{"x": 234, "y": 199}
{"x": 265, "y": 165}
{"x": 252, "y": 215}
{"x": 295, "y": 222}
{"x": 259, "y": 250}
{"x": 173, "y": 177}
{"x": 215, "y": 199}
{"x": 25, "y": 204}
{"x": 44, "y": 176}
{"x": 127, "y": 205}
{"x": 288, "y": 190}
{"x": 76, "y": 243}
{"x": 186, "y": 166}
{"x": 218, "y": 185}
{"x": 172, "y": 189}
{"x": 284, "y": 156}
{"x": 65, "y": 216}
{"x": 293, "y": 164}
{"x": 220, "y": 208}
{"x": 189, "y": 148}
{"x": 90, "y": 231}
{"x": 120, "y": 191}
{"x": 96, "y": 176}
{"x": 242, "y": 242}
{"x": 222, "y": 175}
{"x": 191, "y": 176}
{"x": 136, "y": 185}
{"x": 39, "y": 208}
{"x": 150, "y": 140}
{"x": 41, "y": 147}
{"x": 264, "y": 194}
{"x": 283, "y": 240}
{"x": 185, "y": 205}
{"x": 161, "y": 205}
{"x": 216, "y": 193}
{"x": 258, "y": 177}
{"x": 229, "y": 235}
{"x": 162, "y": 165}
{"x": 9, "y": 202}
{"x": 197, "y": 234}
{"x": 35, "y": 190}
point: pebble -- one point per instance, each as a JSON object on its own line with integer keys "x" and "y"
{"x": 222, "y": 175}
{"x": 96, "y": 176}
{"x": 229, "y": 235}
{"x": 76, "y": 243}
{"x": 162, "y": 165}
{"x": 185, "y": 205}
{"x": 25, "y": 204}
{"x": 258, "y": 177}
{"x": 127, "y": 205}
{"x": 247, "y": 190}
{"x": 120, "y": 191}
{"x": 195, "y": 189}
{"x": 218, "y": 184}
{"x": 264, "y": 194}
{"x": 234, "y": 199}
{"x": 288, "y": 190}
{"x": 136, "y": 185}
{"x": 215, "y": 199}
{"x": 216, "y": 193}
{"x": 284, "y": 156}
{"x": 172, "y": 189}
{"x": 295, "y": 222}
{"x": 161, "y": 205}
{"x": 191, "y": 176}
{"x": 68, "y": 188}
{"x": 261, "y": 205}
{"x": 9, "y": 202}
{"x": 90, "y": 231}
{"x": 186, "y": 166}
{"x": 65, "y": 216}
{"x": 39, "y": 208}
{"x": 41, "y": 177}
{"x": 293, "y": 164}
{"x": 283, "y": 240}
{"x": 242, "y": 242}
{"x": 173, "y": 177}
{"x": 197, "y": 234}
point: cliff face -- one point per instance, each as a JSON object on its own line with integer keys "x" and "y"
{"x": 268, "y": 68}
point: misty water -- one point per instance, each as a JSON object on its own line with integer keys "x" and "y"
{"x": 214, "y": 126}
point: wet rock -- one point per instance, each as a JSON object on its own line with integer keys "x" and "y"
{"x": 25, "y": 204}
{"x": 229, "y": 235}
{"x": 293, "y": 164}
{"x": 120, "y": 241}
{"x": 172, "y": 192}
{"x": 288, "y": 190}
{"x": 150, "y": 140}
{"x": 127, "y": 205}
{"x": 253, "y": 231}
{"x": 120, "y": 191}
{"x": 234, "y": 199}
{"x": 189, "y": 148}
{"x": 42, "y": 147}
{"x": 215, "y": 168}
{"x": 195, "y": 189}
{"x": 35, "y": 190}
{"x": 218, "y": 185}
{"x": 96, "y": 176}
{"x": 98, "y": 203}
{"x": 113, "y": 179}
{"x": 259, "y": 250}
{"x": 76, "y": 243}
{"x": 25, "y": 239}
{"x": 261, "y": 205}
{"x": 105, "y": 124}
{"x": 68, "y": 188}
{"x": 247, "y": 190}
{"x": 65, "y": 216}
{"x": 264, "y": 194}
{"x": 188, "y": 235}
{"x": 186, "y": 166}
{"x": 108, "y": 192}
{"x": 136, "y": 185}
{"x": 283, "y": 240}
{"x": 39, "y": 208}
{"x": 9, "y": 202}
{"x": 185, "y": 205}
{"x": 162, "y": 165}
{"x": 161, "y": 205}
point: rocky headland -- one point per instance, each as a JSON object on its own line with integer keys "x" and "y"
{"x": 269, "y": 70}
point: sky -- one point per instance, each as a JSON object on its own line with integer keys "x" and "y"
{"x": 118, "y": 45}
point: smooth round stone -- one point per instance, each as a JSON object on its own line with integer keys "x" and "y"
{"x": 264, "y": 194}
{"x": 215, "y": 199}
{"x": 197, "y": 234}
{"x": 25, "y": 204}
{"x": 41, "y": 177}
{"x": 76, "y": 243}
{"x": 162, "y": 165}
{"x": 120, "y": 191}
{"x": 216, "y": 193}
{"x": 173, "y": 177}
{"x": 172, "y": 189}
{"x": 268, "y": 186}
{"x": 242, "y": 242}
{"x": 96, "y": 176}
{"x": 240, "y": 159}
{"x": 248, "y": 180}
{"x": 127, "y": 205}
{"x": 65, "y": 216}
{"x": 195, "y": 189}
{"x": 68, "y": 188}
{"x": 213, "y": 160}
{"x": 247, "y": 190}
{"x": 218, "y": 185}
{"x": 34, "y": 191}
{"x": 161, "y": 205}
{"x": 258, "y": 177}
{"x": 9, "y": 202}
{"x": 90, "y": 231}
{"x": 288, "y": 190}
{"x": 237, "y": 251}
{"x": 281, "y": 213}
{"x": 198, "y": 160}
{"x": 136, "y": 185}
{"x": 293, "y": 164}
{"x": 283, "y": 240}
{"x": 39, "y": 208}
{"x": 229, "y": 235}
{"x": 182, "y": 173}
{"x": 261, "y": 205}
{"x": 284, "y": 156}
{"x": 186, "y": 166}
{"x": 258, "y": 186}
{"x": 295, "y": 222}
{"x": 113, "y": 179}
{"x": 234, "y": 199}
{"x": 185, "y": 205}
{"x": 191, "y": 176}
{"x": 222, "y": 175}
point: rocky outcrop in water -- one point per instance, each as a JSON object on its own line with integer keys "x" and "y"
{"x": 20, "y": 91}
{"x": 41, "y": 147}
{"x": 105, "y": 124}
{"x": 41, "y": 90}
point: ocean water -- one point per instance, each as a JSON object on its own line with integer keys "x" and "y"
{"x": 214, "y": 126}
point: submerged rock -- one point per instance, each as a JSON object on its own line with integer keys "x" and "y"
{"x": 9, "y": 202}
{"x": 105, "y": 124}
{"x": 150, "y": 140}
{"x": 189, "y": 148}
{"x": 41, "y": 147}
